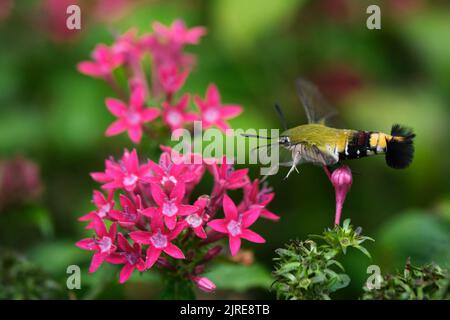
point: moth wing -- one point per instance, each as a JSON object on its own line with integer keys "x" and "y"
{"x": 317, "y": 109}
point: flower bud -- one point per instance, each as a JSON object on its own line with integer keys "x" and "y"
{"x": 342, "y": 179}
{"x": 204, "y": 284}
{"x": 212, "y": 253}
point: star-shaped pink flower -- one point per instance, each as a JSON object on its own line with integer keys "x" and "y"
{"x": 105, "y": 207}
{"x": 102, "y": 244}
{"x": 196, "y": 220}
{"x": 171, "y": 80}
{"x": 105, "y": 60}
{"x": 226, "y": 177}
{"x": 168, "y": 174}
{"x": 176, "y": 116}
{"x": 213, "y": 112}
{"x": 236, "y": 225}
{"x": 169, "y": 207}
{"x": 131, "y": 117}
{"x": 254, "y": 197}
{"x": 158, "y": 241}
{"x": 130, "y": 214}
{"x": 178, "y": 33}
{"x": 126, "y": 174}
{"x": 129, "y": 256}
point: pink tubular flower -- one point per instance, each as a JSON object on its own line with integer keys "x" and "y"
{"x": 176, "y": 116}
{"x": 105, "y": 60}
{"x": 132, "y": 117}
{"x": 158, "y": 241}
{"x": 178, "y": 33}
{"x": 212, "y": 110}
{"x": 226, "y": 177}
{"x": 103, "y": 244}
{"x": 236, "y": 225}
{"x": 171, "y": 79}
{"x": 130, "y": 256}
{"x": 125, "y": 174}
{"x": 169, "y": 207}
{"x": 105, "y": 207}
{"x": 204, "y": 284}
{"x": 254, "y": 197}
{"x": 342, "y": 179}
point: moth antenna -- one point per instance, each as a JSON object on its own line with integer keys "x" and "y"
{"x": 246, "y": 135}
{"x": 281, "y": 116}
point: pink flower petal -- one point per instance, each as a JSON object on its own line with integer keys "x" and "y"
{"x": 229, "y": 208}
{"x": 212, "y": 96}
{"x": 123, "y": 243}
{"x": 235, "y": 244}
{"x": 170, "y": 222}
{"x": 252, "y": 236}
{"x": 249, "y": 217}
{"x": 135, "y": 134}
{"x": 149, "y": 114}
{"x": 116, "y": 127}
{"x": 137, "y": 98}
{"x": 152, "y": 255}
{"x": 97, "y": 260}
{"x": 116, "y": 107}
{"x": 230, "y": 111}
{"x": 126, "y": 272}
{"x": 173, "y": 251}
{"x": 269, "y": 215}
{"x": 142, "y": 237}
{"x": 158, "y": 194}
{"x": 86, "y": 244}
{"x": 90, "y": 69}
{"x": 219, "y": 225}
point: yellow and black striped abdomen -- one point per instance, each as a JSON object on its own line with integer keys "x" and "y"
{"x": 359, "y": 144}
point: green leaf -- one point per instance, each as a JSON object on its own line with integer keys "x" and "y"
{"x": 239, "y": 277}
{"x": 343, "y": 281}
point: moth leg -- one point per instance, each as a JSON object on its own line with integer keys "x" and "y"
{"x": 296, "y": 159}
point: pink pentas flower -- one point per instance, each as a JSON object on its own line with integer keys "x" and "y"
{"x": 126, "y": 173}
{"x": 129, "y": 256}
{"x": 197, "y": 219}
{"x": 226, "y": 177}
{"x": 131, "y": 117}
{"x": 130, "y": 214}
{"x": 105, "y": 207}
{"x": 105, "y": 60}
{"x": 213, "y": 112}
{"x": 178, "y": 33}
{"x": 236, "y": 225}
{"x": 169, "y": 174}
{"x": 102, "y": 244}
{"x": 171, "y": 80}
{"x": 158, "y": 241}
{"x": 169, "y": 207}
{"x": 128, "y": 46}
{"x": 256, "y": 197}
{"x": 176, "y": 116}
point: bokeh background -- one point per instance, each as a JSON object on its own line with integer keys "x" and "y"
{"x": 52, "y": 121}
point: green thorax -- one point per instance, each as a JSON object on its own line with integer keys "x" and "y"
{"x": 316, "y": 134}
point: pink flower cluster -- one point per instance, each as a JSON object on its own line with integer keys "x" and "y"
{"x": 171, "y": 67}
{"x": 162, "y": 223}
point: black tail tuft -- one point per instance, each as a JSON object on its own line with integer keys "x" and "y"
{"x": 400, "y": 152}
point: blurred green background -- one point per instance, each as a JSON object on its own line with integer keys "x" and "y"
{"x": 55, "y": 117}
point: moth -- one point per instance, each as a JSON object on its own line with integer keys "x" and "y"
{"x": 321, "y": 144}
